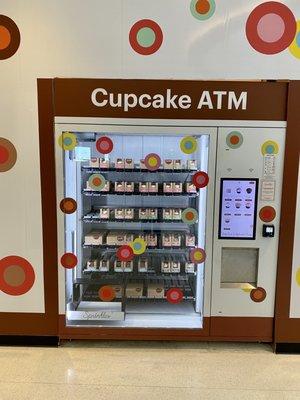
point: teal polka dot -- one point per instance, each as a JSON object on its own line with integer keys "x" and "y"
{"x": 67, "y": 141}
{"x": 298, "y": 39}
{"x": 270, "y": 149}
{"x": 188, "y": 145}
{"x": 137, "y": 246}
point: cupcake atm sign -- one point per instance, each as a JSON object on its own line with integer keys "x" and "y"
{"x": 216, "y": 99}
{"x": 141, "y": 98}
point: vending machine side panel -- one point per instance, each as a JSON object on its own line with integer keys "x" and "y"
{"x": 247, "y": 224}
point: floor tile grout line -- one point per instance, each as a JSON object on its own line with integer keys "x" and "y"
{"x": 152, "y": 387}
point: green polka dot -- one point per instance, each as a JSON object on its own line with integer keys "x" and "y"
{"x": 146, "y": 37}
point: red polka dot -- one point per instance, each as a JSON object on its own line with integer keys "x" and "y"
{"x": 104, "y": 145}
{"x": 197, "y": 256}
{"x": 125, "y": 253}
{"x": 200, "y": 179}
{"x": 16, "y": 275}
{"x": 267, "y": 214}
{"x": 174, "y": 295}
{"x": 69, "y": 260}
{"x": 106, "y": 293}
{"x": 4, "y": 155}
{"x": 264, "y": 35}
{"x": 145, "y": 23}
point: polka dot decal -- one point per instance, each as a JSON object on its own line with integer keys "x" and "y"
{"x": 200, "y": 179}
{"x": 125, "y": 253}
{"x": 188, "y": 145}
{"x": 145, "y": 37}
{"x": 8, "y": 155}
{"x": 67, "y": 140}
{"x": 267, "y": 214}
{"x": 190, "y": 216}
{"x": 271, "y": 27}
{"x": 269, "y": 147}
{"x": 234, "y": 140}
{"x": 174, "y": 295}
{"x": 106, "y": 293}
{"x": 96, "y": 181}
{"x": 203, "y": 9}
{"x": 68, "y": 205}
{"x": 9, "y": 37}
{"x": 16, "y": 275}
{"x": 104, "y": 145}
{"x": 298, "y": 276}
{"x": 152, "y": 162}
{"x": 197, "y": 256}
{"x": 69, "y": 260}
{"x": 138, "y": 246}
{"x": 295, "y": 46}
{"x": 258, "y": 295}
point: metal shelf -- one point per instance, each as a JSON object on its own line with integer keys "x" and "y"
{"x": 134, "y": 274}
{"x": 106, "y": 277}
{"x": 154, "y": 250}
{"x": 93, "y": 193}
{"x": 121, "y": 223}
{"x": 89, "y": 169}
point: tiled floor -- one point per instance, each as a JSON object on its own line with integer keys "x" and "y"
{"x": 144, "y": 371}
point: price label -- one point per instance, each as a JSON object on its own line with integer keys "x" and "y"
{"x": 268, "y": 190}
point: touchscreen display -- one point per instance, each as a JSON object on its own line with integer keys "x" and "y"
{"x": 238, "y": 208}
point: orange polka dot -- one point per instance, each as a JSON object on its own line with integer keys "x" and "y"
{"x": 68, "y": 205}
{"x": 5, "y": 37}
{"x": 202, "y": 6}
{"x": 234, "y": 139}
{"x": 96, "y": 181}
{"x": 189, "y": 216}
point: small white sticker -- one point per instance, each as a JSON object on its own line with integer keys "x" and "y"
{"x": 269, "y": 165}
{"x": 268, "y": 190}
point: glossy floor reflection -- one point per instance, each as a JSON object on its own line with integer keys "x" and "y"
{"x": 143, "y": 370}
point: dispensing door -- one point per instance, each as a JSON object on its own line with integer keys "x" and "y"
{"x": 247, "y": 219}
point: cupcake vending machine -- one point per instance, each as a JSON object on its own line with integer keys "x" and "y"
{"x": 161, "y": 227}
{"x": 166, "y": 214}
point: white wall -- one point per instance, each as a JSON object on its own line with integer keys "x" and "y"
{"x": 75, "y": 38}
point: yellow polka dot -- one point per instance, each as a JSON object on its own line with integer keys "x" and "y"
{"x": 298, "y": 276}
{"x": 152, "y": 162}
